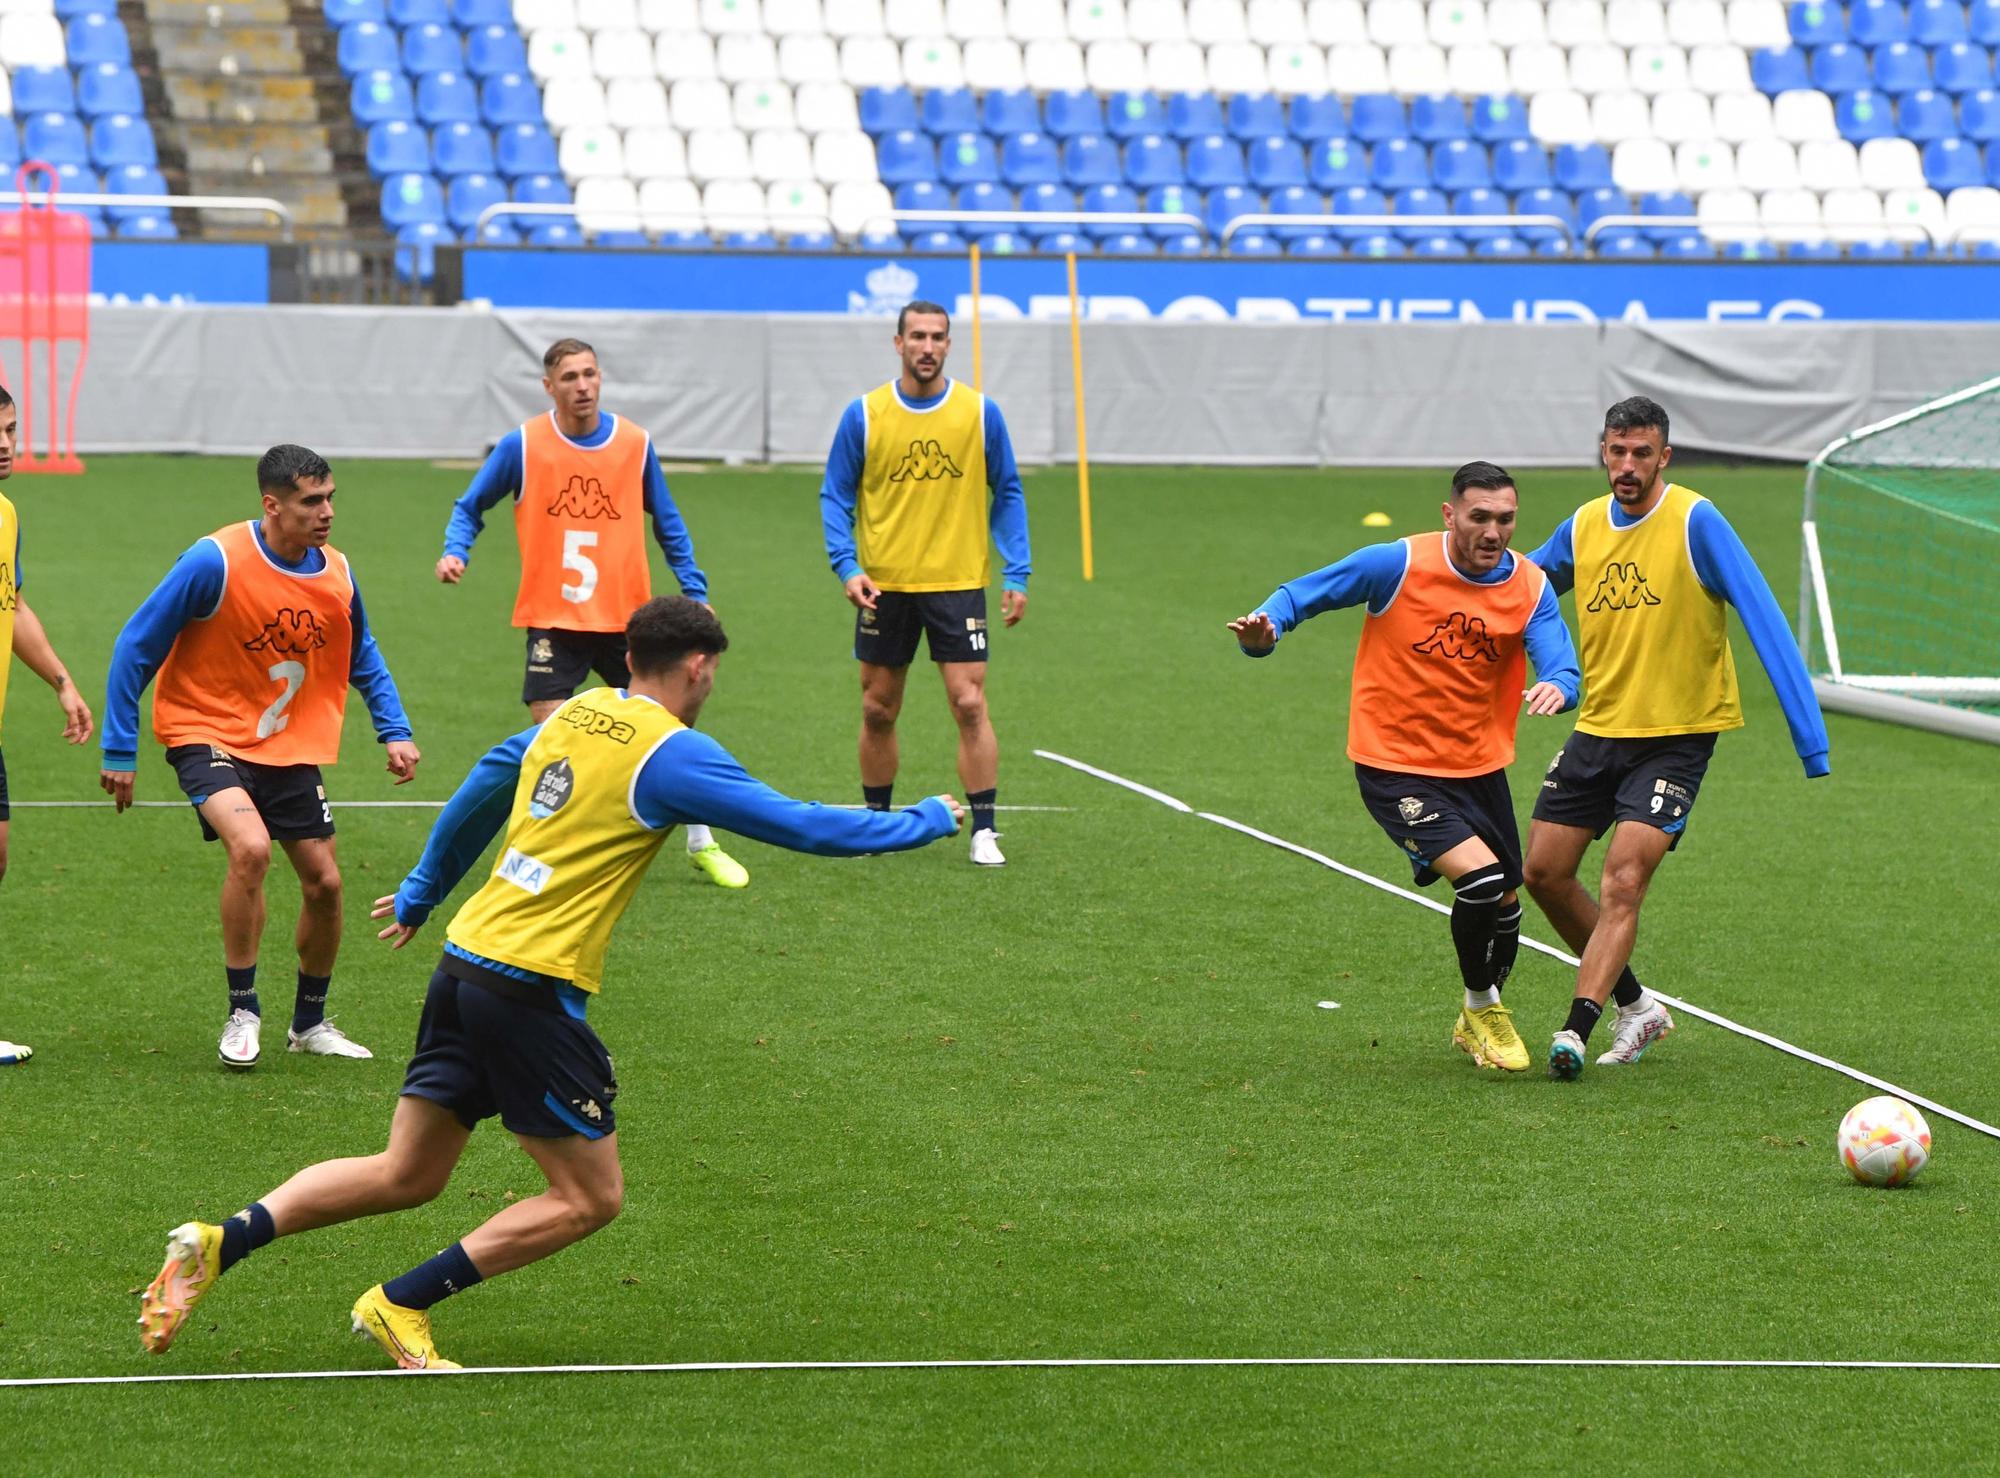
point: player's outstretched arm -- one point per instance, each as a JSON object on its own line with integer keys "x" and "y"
{"x": 692, "y": 778}
{"x": 498, "y": 477}
{"x": 469, "y": 821}
{"x": 1372, "y": 574}
{"x": 32, "y": 646}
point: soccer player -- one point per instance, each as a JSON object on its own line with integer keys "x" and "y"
{"x": 908, "y": 528}
{"x": 22, "y": 634}
{"x": 1653, "y": 564}
{"x": 587, "y": 801}
{"x": 1453, "y": 619}
{"x": 584, "y": 482}
{"x": 256, "y": 634}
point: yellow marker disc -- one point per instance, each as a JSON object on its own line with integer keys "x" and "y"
{"x": 1376, "y": 521}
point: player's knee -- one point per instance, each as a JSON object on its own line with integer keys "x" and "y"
{"x": 1541, "y": 877}
{"x": 879, "y": 712}
{"x": 594, "y": 1207}
{"x": 320, "y": 887}
{"x": 1624, "y": 887}
{"x": 968, "y": 706}
{"x": 3, "y": 860}
{"x": 1482, "y": 885}
{"x": 249, "y": 859}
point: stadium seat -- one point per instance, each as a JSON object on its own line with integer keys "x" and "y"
{"x": 468, "y": 195}
{"x": 1840, "y": 68}
{"x": 1485, "y": 204}
{"x": 412, "y": 199}
{"x": 1979, "y": 115}
{"x": 500, "y": 232}
{"x": 1109, "y": 200}
{"x": 1215, "y": 161}
{"x": 509, "y": 98}
{"x": 947, "y": 110}
{"x": 122, "y": 139}
{"x": 1398, "y": 164}
{"x": 1752, "y": 251}
{"x": 1009, "y": 110}
{"x": 1255, "y": 115}
{"x": 1520, "y": 164}
{"x": 1962, "y": 67}
{"x": 1544, "y": 202}
{"x": 1436, "y": 117}
{"x": 1877, "y": 22}
{"x": 1435, "y": 243}
{"x": 1982, "y": 21}
{"x": 377, "y": 97}
{"x": 406, "y": 13}
{"x": 937, "y": 242}
{"x": 1254, "y": 244}
{"x": 1358, "y": 200}
{"x": 1813, "y": 251}
{"x": 1864, "y": 115}
{"x": 340, "y": 13}
{"x": 1686, "y": 246}
{"x": 750, "y": 241}
{"x": 1900, "y": 67}
{"x": 367, "y": 47}
{"x": 28, "y": 39}
{"x": 1134, "y": 114}
{"x": 1317, "y": 117}
{"x": 1296, "y": 200}
{"x": 542, "y": 189}
{"x": 108, "y": 88}
{"x": 966, "y": 159}
{"x": 1377, "y": 246}
{"x": 1069, "y": 114}
{"x": 471, "y": 14}
{"x": 1937, "y": 22}
{"x": 1153, "y": 160}
{"x": 396, "y": 147}
{"x": 43, "y": 90}
{"x": 1336, "y": 164}
{"x": 1057, "y": 201}
{"x": 985, "y": 195}
{"x": 1419, "y": 200}
{"x": 1182, "y": 244}
{"x": 432, "y": 48}
{"x": 906, "y": 155}
{"x": 1783, "y": 69}
{"x": 1128, "y": 244}
{"x": 1091, "y": 160}
{"x": 1926, "y": 115}
{"x": 1275, "y": 163}
{"x": 1668, "y": 203}
{"x": 1173, "y": 200}
{"x": 1459, "y": 164}
{"x": 1194, "y": 115}
{"x": 1030, "y": 159}
{"x": 554, "y": 233}
{"x": 461, "y": 148}
{"x": 447, "y": 97}
{"x": 1375, "y": 117}
{"x": 1582, "y": 167}
{"x": 94, "y": 38}
{"x": 133, "y": 179}
{"x": 1881, "y": 250}
{"x": 887, "y": 110}
{"x": 1315, "y": 246}
{"x": 1816, "y": 22}
{"x": 1952, "y": 164}
{"x": 1226, "y": 204}
{"x": 492, "y": 51}
{"x": 1498, "y": 118}
{"x": 147, "y": 226}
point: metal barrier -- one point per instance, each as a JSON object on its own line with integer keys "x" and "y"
{"x": 261, "y": 203}
{"x": 1774, "y": 232}
{"x": 1503, "y": 225}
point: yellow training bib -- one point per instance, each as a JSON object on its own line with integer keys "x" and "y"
{"x": 920, "y": 514}
{"x": 10, "y": 592}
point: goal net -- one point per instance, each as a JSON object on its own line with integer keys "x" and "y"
{"x": 1899, "y": 612}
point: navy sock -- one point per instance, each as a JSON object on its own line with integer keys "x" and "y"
{"x": 243, "y": 989}
{"x": 309, "y": 1005}
{"x": 980, "y": 802}
{"x": 451, "y": 1271}
{"x": 1583, "y": 1014}
{"x": 1506, "y": 944}
{"x": 1626, "y": 991}
{"x": 244, "y": 1233}
{"x": 877, "y": 796}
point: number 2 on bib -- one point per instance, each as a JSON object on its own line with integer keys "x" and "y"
{"x": 575, "y": 558}
{"x": 273, "y": 719}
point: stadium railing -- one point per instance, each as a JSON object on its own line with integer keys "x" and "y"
{"x": 262, "y": 203}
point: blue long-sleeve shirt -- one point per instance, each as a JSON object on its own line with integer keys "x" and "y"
{"x": 191, "y": 592}
{"x": 1008, "y": 519}
{"x": 689, "y": 778}
{"x": 1725, "y": 568}
{"x": 505, "y": 471}
{"x": 1375, "y": 573}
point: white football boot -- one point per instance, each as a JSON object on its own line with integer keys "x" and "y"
{"x": 14, "y": 1052}
{"x": 1638, "y": 1027}
{"x": 324, "y": 1040}
{"x": 986, "y": 848}
{"x": 242, "y": 1040}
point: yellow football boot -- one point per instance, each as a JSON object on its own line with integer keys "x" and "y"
{"x": 1488, "y": 1037}
{"x": 404, "y": 1333}
{"x": 719, "y": 867}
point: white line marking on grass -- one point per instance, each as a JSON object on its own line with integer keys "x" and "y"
{"x": 1700, "y": 1013}
{"x": 1329, "y": 1005}
{"x": 1113, "y": 1362}
{"x": 1146, "y": 790}
{"x": 398, "y": 806}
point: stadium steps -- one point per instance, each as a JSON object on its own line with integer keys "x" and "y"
{"x": 146, "y": 64}
{"x": 359, "y": 189}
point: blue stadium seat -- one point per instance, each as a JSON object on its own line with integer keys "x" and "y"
{"x": 1901, "y": 67}
{"x": 1816, "y": 22}
{"x": 1544, "y": 202}
{"x": 1254, "y": 244}
{"x": 907, "y": 155}
{"x": 966, "y": 159}
{"x": 469, "y": 15}
{"x": 1877, "y": 22}
{"x": 509, "y": 98}
{"x": 1979, "y": 115}
{"x": 1666, "y": 203}
{"x": 1335, "y": 164}
{"x": 1500, "y": 246}
{"x": 367, "y": 46}
{"x": 340, "y": 13}
{"x": 1276, "y": 163}
{"x": 542, "y": 189}
{"x": 1937, "y": 22}
{"x": 10, "y": 143}
{"x": 923, "y": 195}
{"x": 1554, "y": 249}
{"x": 1813, "y": 251}
{"x": 1152, "y": 160}
{"x": 1376, "y": 116}
{"x": 1779, "y": 69}
{"x": 120, "y": 138}
{"x": 1191, "y": 115}
{"x": 500, "y": 232}
{"x": 411, "y": 199}
{"x": 1128, "y": 244}
{"x": 1315, "y": 246}
{"x": 1952, "y": 164}
{"x": 1226, "y": 204}
{"x": 74, "y": 179}
{"x": 43, "y": 90}
{"x": 1962, "y": 67}
{"x": 1498, "y": 117}
{"x": 1296, "y": 200}
{"x": 1419, "y": 200}
{"x": 1067, "y": 114}
{"x": 133, "y": 179}
{"x": 1109, "y": 200}
{"x": 1131, "y": 115}
{"x": 986, "y": 195}
{"x": 949, "y": 110}
{"x": 524, "y": 149}
{"x": 1091, "y": 159}
{"x": 406, "y": 13}
{"x": 1625, "y": 246}
{"x": 1875, "y": 251}
{"x": 1521, "y": 164}
{"x": 937, "y": 242}
{"x": 750, "y": 241}
{"x": 810, "y": 241}
{"x": 1864, "y": 115}
{"x": 70, "y": 9}
{"x": 665, "y": 241}
{"x": 468, "y": 195}
{"x": 432, "y": 48}
{"x": 1926, "y": 115}
{"x": 1686, "y": 246}
{"x": 1437, "y": 116}
{"x": 1176, "y": 200}
{"x": 1030, "y": 159}
{"x": 1051, "y": 200}
{"x": 1255, "y": 115}
{"x": 556, "y": 233}
{"x": 1007, "y": 244}
{"x": 1215, "y": 161}
{"x": 1594, "y": 205}
{"x": 147, "y": 226}
{"x": 493, "y": 51}
{"x": 1460, "y": 164}
{"x": 1840, "y": 68}
{"x": 1982, "y": 22}
{"x": 1358, "y": 200}
{"x": 1317, "y": 116}
{"x": 886, "y": 109}
{"x": 397, "y": 147}
{"x": 1183, "y": 244}
{"x": 636, "y": 240}
{"x": 380, "y": 96}
{"x": 1985, "y": 251}
{"x": 447, "y": 97}
{"x": 1438, "y": 244}
{"x": 108, "y": 88}
{"x": 1398, "y": 164}
{"x": 1062, "y": 243}
{"x": 1481, "y": 202}
{"x": 97, "y": 38}
{"x": 1752, "y": 251}
{"x": 1582, "y": 167}
{"x": 1005, "y": 111}
{"x": 461, "y": 148}
{"x": 1377, "y": 246}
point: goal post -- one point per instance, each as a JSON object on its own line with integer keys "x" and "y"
{"x": 1899, "y": 605}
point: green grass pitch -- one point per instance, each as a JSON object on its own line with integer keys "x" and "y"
{"x": 1085, "y": 1106}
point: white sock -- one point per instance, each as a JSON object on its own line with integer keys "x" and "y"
{"x": 1645, "y": 1000}
{"x": 1479, "y": 1000}
{"x": 699, "y": 836}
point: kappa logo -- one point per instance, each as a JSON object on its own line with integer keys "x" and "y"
{"x": 553, "y": 788}
{"x": 296, "y": 632}
{"x": 1461, "y": 636}
{"x": 599, "y": 725}
{"x": 7, "y": 596}
{"x": 1622, "y": 588}
{"x": 923, "y": 462}
{"x": 583, "y": 497}
{"x": 588, "y": 1108}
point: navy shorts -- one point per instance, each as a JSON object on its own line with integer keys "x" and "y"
{"x": 953, "y": 620}
{"x": 487, "y": 1045}
{"x": 559, "y": 661}
{"x": 290, "y": 798}
{"x": 6, "y": 812}
{"x": 1594, "y": 782}
{"x": 1428, "y": 815}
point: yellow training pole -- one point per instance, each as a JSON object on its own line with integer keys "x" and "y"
{"x": 976, "y": 376}
{"x": 1082, "y": 447}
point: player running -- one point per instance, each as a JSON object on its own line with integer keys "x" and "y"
{"x": 256, "y": 634}
{"x": 908, "y": 531}
{"x": 587, "y": 801}
{"x": 22, "y": 634}
{"x": 584, "y": 482}
{"x": 1653, "y": 564}
{"x": 1453, "y": 620}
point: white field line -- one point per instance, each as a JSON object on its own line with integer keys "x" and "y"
{"x": 395, "y": 806}
{"x": 694, "y": 1367}
{"x": 1700, "y": 1013}
{"x": 1146, "y": 790}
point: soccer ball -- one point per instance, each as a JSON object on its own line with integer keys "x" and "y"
{"x": 1884, "y": 1142}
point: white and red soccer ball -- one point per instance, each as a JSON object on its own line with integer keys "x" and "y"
{"x": 1884, "y": 1142}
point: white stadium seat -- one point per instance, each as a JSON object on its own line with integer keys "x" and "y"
{"x": 1513, "y": 23}
{"x": 1642, "y": 166}
{"x": 1397, "y": 23}
{"x": 1658, "y": 69}
{"x": 1176, "y": 66}
{"x": 1561, "y": 118}
{"x": 908, "y": 19}
{"x": 1055, "y": 65}
{"x": 1704, "y": 164}
{"x": 805, "y": 60}
{"x": 745, "y": 58}
{"x": 1730, "y": 215}
{"x": 1356, "y": 66}
{"x": 1237, "y": 66}
{"x": 1758, "y": 24}
{"x": 933, "y": 61}
{"x": 1598, "y": 66}
{"x": 656, "y": 154}
{"x": 1618, "y": 116}
{"x": 871, "y": 61}
{"x": 1769, "y": 164}
{"x": 1536, "y": 66}
{"x": 1476, "y": 68}
{"x": 734, "y": 205}
{"x": 1216, "y": 22}
{"x": 1096, "y": 20}
{"x": 780, "y": 154}
{"x": 1115, "y": 66}
{"x": 680, "y": 55}
{"x": 1973, "y": 212}
{"x": 615, "y": 54}
{"x": 656, "y": 16}
{"x": 1910, "y": 208}
{"x": 784, "y": 18}
{"x": 1718, "y": 69}
{"x": 1803, "y": 115}
{"x": 993, "y": 65}
{"x": 1417, "y": 67}
{"x": 1694, "y": 23}
{"x": 607, "y": 15}
{"x": 1792, "y": 216}
{"x": 718, "y": 154}
{"x": 1456, "y": 22}
{"x": 1156, "y": 20}
{"x": 1891, "y": 164}
{"x": 1296, "y": 69}
{"x": 797, "y": 206}
{"x": 569, "y": 102}
{"x": 1575, "y": 23}
{"x": 846, "y": 18}
{"x": 859, "y": 206}
{"x": 670, "y": 205}
{"x": 1335, "y": 22}
{"x": 543, "y": 15}
{"x": 1277, "y": 22}
{"x": 700, "y": 103}
{"x": 731, "y": 17}
{"x": 1852, "y": 214}
{"x": 1037, "y": 20}
{"x": 550, "y": 54}
{"x": 1826, "y": 165}
{"x": 1741, "y": 116}
{"x": 759, "y": 105}
{"x": 976, "y": 20}
{"x": 1679, "y": 117}
{"x": 844, "y": 158}
{"x": 1631, "y": 23}
{"x": 591, "y": 152}
{"x": 825, "y": 107}
{"x": 607, "y": 204}
{"x": 635, "y": 102}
